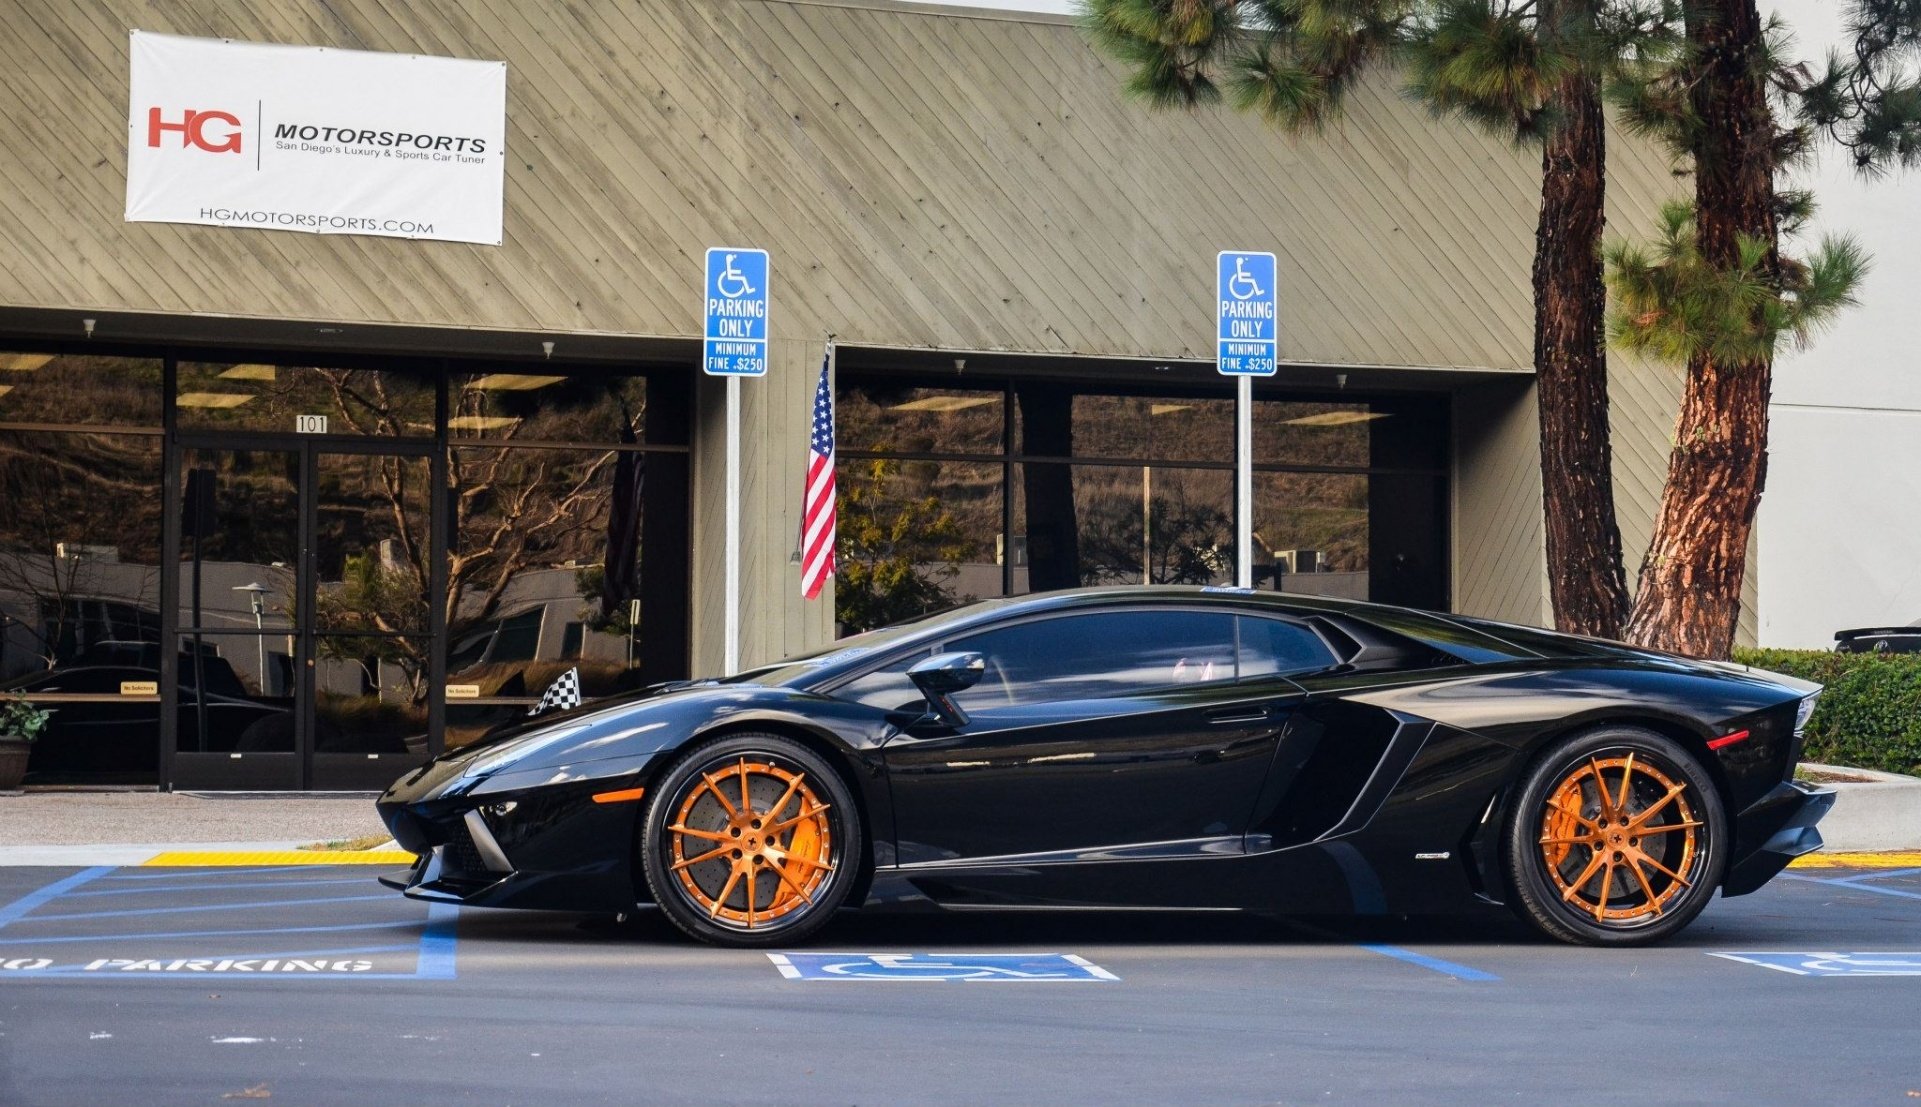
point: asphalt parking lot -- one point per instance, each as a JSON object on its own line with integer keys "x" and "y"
{"x": 314, "y": 985}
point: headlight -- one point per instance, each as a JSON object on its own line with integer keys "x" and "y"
{"x": 1803, "y": 713}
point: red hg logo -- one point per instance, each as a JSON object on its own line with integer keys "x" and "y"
{"x": 192, "y": 129}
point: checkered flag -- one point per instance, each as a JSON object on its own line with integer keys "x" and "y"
{"x": 562, "y": 694}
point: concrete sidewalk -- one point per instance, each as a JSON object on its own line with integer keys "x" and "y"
{"x": 132, "y": 828}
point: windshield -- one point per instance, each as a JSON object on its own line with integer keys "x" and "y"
{"x": 802, "y": 665}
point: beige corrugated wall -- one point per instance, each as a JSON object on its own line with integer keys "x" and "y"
{"x": 922, "y": 179}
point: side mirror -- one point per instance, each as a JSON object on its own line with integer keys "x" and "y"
{"x": 942, "y": 675}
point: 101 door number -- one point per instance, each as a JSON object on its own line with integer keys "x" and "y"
{"x": 310, "y": 424}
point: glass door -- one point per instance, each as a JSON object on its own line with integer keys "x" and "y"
{"x": 305, "y": 634}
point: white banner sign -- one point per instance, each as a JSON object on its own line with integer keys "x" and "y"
{"x": 307, "y": 138}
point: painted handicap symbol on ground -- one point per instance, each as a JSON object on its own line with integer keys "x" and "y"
{"x": 1833, "y": 964}
{"x": 970, "y": 967}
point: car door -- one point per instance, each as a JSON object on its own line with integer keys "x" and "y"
{"x": 1093, "y": 736}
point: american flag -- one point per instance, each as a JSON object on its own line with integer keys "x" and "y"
{"x": 817, "y": 503}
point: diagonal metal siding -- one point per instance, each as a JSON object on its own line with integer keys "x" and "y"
{"x": 921, "y": 179}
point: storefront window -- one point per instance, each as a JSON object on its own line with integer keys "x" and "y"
{"x": 1128, "y": 487}
{"x": 75, "y": 390}
{"x": 548, "y": 570}
{"x": 79, "y": 597}
{"x": 549, "y": 407}
{"x": 288, "y": 399}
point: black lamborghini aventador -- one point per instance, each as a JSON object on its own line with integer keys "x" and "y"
{"x": 1160, "y": 748}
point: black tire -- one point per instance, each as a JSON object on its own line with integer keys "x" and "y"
{"x": 799, "y": 875}
{"x": 1587, "y": 869}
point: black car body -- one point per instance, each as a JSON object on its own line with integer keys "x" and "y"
{"x": 1155, "y": 748}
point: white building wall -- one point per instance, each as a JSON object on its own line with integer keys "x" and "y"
{"x": 1840, "y": 523}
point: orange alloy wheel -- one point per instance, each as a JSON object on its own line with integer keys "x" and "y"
{"x": 1618, "y": 838}
{"x": 751, "y": 842}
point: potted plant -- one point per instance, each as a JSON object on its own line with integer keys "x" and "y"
{"x": 20, "y": 723}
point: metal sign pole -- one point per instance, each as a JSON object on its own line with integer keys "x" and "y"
{"x": 1244, "y": 481}
{"x": 731, "y": 662}
{"x": 1247, "y": 320}
{"x": 735, "y": 306}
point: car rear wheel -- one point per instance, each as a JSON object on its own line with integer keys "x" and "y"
{"x": 1617, "y": 839}
{"x": 752, "y": 840}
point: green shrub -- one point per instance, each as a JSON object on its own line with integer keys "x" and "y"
{"x": 1870, "y": 714}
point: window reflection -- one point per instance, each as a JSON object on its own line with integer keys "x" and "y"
{"x": 892, "y": 419}
{"x": 1311, "y": 533}
{"x": 261, "y": 397}
{"x": 79, "y": 596}
{"x": 547, "y": 407}
{"x": 914, "y": 537}
{"x": 1081, "y": 525}
{"x": 1126, "y": 487}
{"x": 547, "y": 573}
{"x": 73, "y": 389}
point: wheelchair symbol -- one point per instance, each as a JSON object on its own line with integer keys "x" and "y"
{"x": 1243, "y": 279}
{"x": 732, "y": 283}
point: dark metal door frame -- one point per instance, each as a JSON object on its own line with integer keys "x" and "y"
{"x": 305, "y": 632}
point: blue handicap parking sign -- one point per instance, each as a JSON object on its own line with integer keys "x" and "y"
{"x": 1834, "y": 964}
{"x": 1002, "y": 967}
{"x": 1247, "y": 309}
{"x": 735, "y": 307}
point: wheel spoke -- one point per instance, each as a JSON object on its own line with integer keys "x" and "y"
{"x": 1665, "y": 828}
{"x": 695, "y": 832}
{"x": 708, "y": 779}
{"x": 1634, "y": 864}
{"x": 1601, "y": 789}
{"x": 792, "y": 787}
{"x": 1607, "y": 883}
{"x": 810, "y": 862}
{"x": 1655, "y": 807}
{"x": 1574, "y": 886}
{"x": 780, "y": 870}
{"x": 726, "y": 890}
{"x": 1627, "y": 781}
{"x": 1667, "y": 872}
{"x": 1583, "y": 840}
{"x": 746, "y": 801}
{"x": 692, "y": 861}
{"x": 1577, "y": 817}
{"x": 752, "y": 894}
{"x": 776, "y": 828}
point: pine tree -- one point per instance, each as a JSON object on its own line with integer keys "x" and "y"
{"x": 1531, "y": 70}
{"x": 1717, "y": 293}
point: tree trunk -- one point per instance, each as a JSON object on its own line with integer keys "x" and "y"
{"x": 1689, "y": 597}
{"x": 1585, "y": 578}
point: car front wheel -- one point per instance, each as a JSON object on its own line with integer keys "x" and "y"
{"x": 752, "y": 840}
{"x": 1617, "y": 839}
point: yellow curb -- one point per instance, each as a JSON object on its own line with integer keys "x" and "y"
{"x": 1900, "y": 860}
{"x": 219, "y": 858}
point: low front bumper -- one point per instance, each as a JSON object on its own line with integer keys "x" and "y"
{"x": 1774, "y": 831}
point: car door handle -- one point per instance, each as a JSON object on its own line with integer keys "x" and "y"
{"x": 1231, "y": 715}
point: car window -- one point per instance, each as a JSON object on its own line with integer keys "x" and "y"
{"x": 888, "y": 687}
{"x": 1096, "y": 656}
{"x": 1270, "y": 646}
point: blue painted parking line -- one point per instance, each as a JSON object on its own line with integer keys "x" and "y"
{"x": 215, "y": 874}
{"x": 199, "y": 907}
{"x": 162, "y": 935}
{"x": 1861, "y": 882}
{"x": 20, "y": 907}
{"x": 224, "y": 887}
{"x": 1407, "y": 956}
{"x": 1458, "y": 972}
{"x": 433, "y": 944}
{"x": 968, "y": 967}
